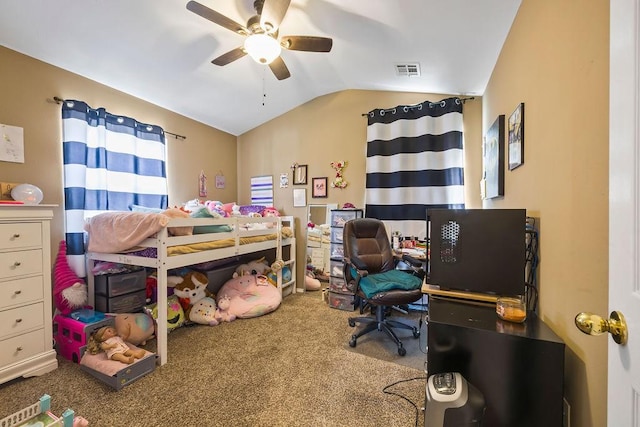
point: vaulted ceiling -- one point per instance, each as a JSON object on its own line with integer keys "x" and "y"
{"x": 159, "y": 51}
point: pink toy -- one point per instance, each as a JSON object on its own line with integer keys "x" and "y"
{"x": 222, "y": 312}
{"x": 70, "y": 335}
{"x": 250, "y": 296}
{"x": 69, "y": 291}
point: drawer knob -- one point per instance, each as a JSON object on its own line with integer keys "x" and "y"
{"x": 18, "y": 292}
{"x": 19, "y": 349}
{"x": 18, "y": 320}
{"x": 17, "y": 264}
{"x": 16, "y": 236}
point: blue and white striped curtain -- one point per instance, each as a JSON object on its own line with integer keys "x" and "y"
{"x": 110, "y": 163}
{"x": 415, "y": 161}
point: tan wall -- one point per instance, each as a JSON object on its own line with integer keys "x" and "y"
{"x": 555, "y": 60}
{"x": 27, "y": 87}
{"x": 326, "y": 129}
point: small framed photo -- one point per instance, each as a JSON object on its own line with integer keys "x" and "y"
{"x": 516, "y": 137}
{"x": 319, "y": 187}
{"x": 299, "y": 197}
{"x": 493, "y": 160}
{"x": 300, "y": 175}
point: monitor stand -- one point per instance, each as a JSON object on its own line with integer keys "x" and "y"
{"x": 435, "y": 290}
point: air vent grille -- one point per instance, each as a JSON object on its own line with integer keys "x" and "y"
{"x": 408, "y": 70}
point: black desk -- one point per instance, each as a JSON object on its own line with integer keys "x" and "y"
{"x": 518, "y": 367}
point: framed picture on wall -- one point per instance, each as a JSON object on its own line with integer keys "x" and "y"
{"x": 300, "y": 175}
{"x": 319, "y": 186}
{"x": 516, "y": 137}
{"x": 493, "y": 159}
{"x": 299, "y": 197}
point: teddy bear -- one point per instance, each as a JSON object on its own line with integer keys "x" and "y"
{"x": 190, "y": 290}
{"x": 222, "y": 312}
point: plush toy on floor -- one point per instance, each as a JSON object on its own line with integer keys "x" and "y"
{"x": 311, "y": 283}
{"x": 222, "y": 312}
{"x": 69, "y": 291}
{"x": 256, "y": 267}
{"x": 197, "y": 302}
{"x": 135, "y": 328}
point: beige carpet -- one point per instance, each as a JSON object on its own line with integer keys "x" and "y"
{"x": 293, "y": 367}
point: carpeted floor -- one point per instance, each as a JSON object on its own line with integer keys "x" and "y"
{"x": 293, "y": 367}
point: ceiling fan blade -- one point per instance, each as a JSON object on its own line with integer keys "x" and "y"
{"x": 272, "y": 14}
{"x": 279, "y": 69}
{"x": 307, "y": 43}
{"x": 230, "y": 56}
{"x": 216, "y": 18}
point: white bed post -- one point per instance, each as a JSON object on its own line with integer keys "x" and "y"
{"x": 162, "y": 300}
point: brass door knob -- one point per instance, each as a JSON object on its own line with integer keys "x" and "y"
{"x": 592, "y": 324}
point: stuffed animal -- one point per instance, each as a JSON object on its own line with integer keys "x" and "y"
{"x": 259, "y": 266}
{"x": 204, "y": 312}
{"x": 175, "y": 314}
{"x": 135, "y": 328}
{"x": 190, "y": 290}
{"x": 69, "y": 291}
{"x": 222, "y": 312}
{"x": 250, "y": 296}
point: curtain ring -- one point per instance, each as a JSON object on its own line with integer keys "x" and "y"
{"x": 443, "y": 103}
{"x": 420, "y": 107}
{"x": 430, "y": 105}
{"x": 149, "y": 128}
{"x": 381, "y": 113}
{"x": 393, "y": 111}
{"x": 372, "y": 114}
{"x": 120, "y": 120}
{"x": 70, "y": 104}
{"x": 405, "y": 109}
{"x": 458, "y": 101}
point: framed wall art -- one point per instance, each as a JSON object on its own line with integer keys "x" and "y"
{"x": 319, "y": 187}
{"x": 516, "y": 137}
{"x": 299, "y": 197}
{"x": 493, "y": 159}
{"x": 300, "y": 175}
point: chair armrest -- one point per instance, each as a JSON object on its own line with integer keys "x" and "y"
{"x": 361, "y": 267}
{"x": 414, "y": 262}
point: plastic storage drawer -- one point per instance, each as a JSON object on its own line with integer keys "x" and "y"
{"x": 337, "y": 250}
{"x": 337, "y": 284}
{"x": 336, "y": 269}
{"x": 127, "y": 303}
{"x": 340, "y": 217}
{"x": 336, "y": 234}
{"x": 113, "y": 285}
{"x": 341, "y": 301}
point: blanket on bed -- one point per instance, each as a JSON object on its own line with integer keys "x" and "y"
{"x": 118, "y": 231}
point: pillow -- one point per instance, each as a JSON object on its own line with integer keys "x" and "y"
{"x": 249, "y": 209}
{"x": 250, "y": 296}
{"x": 203, "y": 229}
{"x": 116, "y": 231}
{"x": 178, "y": 231}
{"x": 171, "y": 213}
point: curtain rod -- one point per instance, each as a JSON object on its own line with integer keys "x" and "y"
{"x": 59, "y": 100}
{"x": 411, "y": 107}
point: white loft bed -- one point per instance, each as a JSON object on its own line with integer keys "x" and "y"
{"x": 239, "y": 241}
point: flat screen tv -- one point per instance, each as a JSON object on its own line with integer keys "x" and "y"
{"x": 477, "y": 250}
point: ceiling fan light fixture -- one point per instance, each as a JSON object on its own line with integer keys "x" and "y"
{"x": 262, "y": 48}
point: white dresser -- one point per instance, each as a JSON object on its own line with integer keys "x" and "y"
{"x": 26, "y": 337}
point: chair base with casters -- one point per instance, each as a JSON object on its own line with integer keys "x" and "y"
{"x": 381, "y": 322}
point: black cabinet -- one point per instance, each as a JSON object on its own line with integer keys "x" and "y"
{"x": 518, "y": 367}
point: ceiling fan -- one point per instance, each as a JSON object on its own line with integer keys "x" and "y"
{"x": 261, "y": 33}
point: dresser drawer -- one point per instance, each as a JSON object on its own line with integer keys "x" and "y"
{"x": 21, "y": 347}
{"x": 20, "y": 291}
{"x": 18, "y": 320}
{"x": 17, "y": 236}
{"x": 20, "y": 263}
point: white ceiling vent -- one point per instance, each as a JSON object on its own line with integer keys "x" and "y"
{"x": 408, "y": 70}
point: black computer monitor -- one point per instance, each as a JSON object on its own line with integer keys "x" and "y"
{"x": 477, "y": 250}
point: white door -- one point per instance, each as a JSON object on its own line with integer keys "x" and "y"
{"x": 624, "y": 210}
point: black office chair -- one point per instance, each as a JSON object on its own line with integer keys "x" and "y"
{"x": 370, "y": 269}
